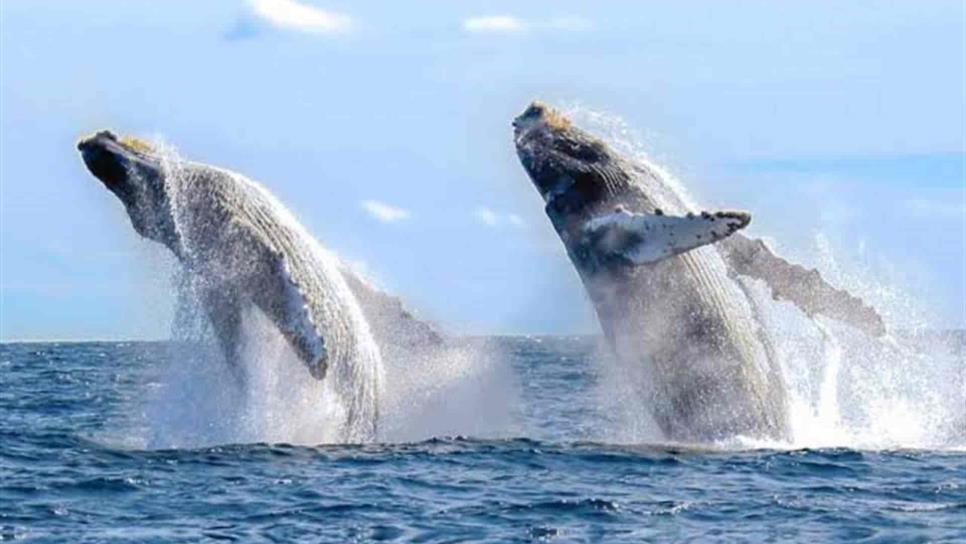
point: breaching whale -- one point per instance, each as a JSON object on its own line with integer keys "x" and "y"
{"x": 243, "y": 250}
{"x": 666, "y": 299}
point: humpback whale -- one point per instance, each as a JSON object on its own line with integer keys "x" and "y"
{"x": 243, "y": 250}
{"x": 662, "y": 280}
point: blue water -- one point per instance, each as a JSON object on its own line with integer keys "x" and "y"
{"x": 68, "y": 471}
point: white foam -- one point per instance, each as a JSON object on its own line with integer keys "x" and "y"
{"x": 466, "y": 389}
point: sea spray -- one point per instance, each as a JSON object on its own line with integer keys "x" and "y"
{"x": 846, "y": 389}
{"x": 465, "y": 387}
{"x": 906, "y": 390}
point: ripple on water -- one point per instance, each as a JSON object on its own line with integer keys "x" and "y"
{"x": 60, "y": 479}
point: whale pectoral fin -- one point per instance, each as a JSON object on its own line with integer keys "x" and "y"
{"x": 644, "y": 238}
{"x": 262, "y": 275}
{"x": 275, "y": 291}
{"x": 803, "y": 287}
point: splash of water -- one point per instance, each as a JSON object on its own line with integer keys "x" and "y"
{"x": 267, "y": 395}
{"x": 198, "y": 400}
{"x": 907, "y": 390}
{"x": 277, "y": 399}
{"x": 464, "y": 388}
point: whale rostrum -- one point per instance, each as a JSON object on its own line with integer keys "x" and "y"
{"x": 665, "y": 287}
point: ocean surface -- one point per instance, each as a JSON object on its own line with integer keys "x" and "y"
{"x": 99, "y": 444}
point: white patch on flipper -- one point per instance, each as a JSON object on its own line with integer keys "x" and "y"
{"x": 647, "y": 238}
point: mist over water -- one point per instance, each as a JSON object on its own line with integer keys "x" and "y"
{"x": 467, "y": 389}
{"x": 905, "y": 390}
{"x": 195, "y": 399}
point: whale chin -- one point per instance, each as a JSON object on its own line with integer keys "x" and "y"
{"x": 105, "y": 158}
{"x": 115, "y": 160}
{"x": 134, "y": 173}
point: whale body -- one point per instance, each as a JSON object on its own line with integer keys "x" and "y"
{"x": 243, "y": 250}
{"x": 662, "y": 281}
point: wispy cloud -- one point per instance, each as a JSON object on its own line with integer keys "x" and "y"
{"x": 493, "y": 23}
{"x": 495, "y": 219}
{"x": 383, "y": 212}
{"x": 487, "y": 216}
{"x": 301, "y": 17}
{"x": 510, "y": 24}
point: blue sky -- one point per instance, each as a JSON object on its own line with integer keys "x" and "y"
{"x": 385, "y": 127}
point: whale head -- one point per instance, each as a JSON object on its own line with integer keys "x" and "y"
{"x": 133, "y": 171}
{"x": 575, "y": 172}
{"x": 603, "y": 205}
{"x": 550, "y": 147}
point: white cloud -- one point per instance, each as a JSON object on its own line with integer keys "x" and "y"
{"x": 384, "y": 212}
{"x": 493, "y": 23}
{"x": 511, "y": 24}
{"x": 495, "y": 219}
{"x": 487, "y": 216}
{"x": 293, "y": 15}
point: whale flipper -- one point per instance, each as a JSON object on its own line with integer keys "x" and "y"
{"x": 260, "y": 271}
{"x": 277, "y": 293}
{"x": 803, "y": 287}
{"x": 645, "y": 238}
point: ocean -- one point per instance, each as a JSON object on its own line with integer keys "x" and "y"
{"x": 103, "y": 442}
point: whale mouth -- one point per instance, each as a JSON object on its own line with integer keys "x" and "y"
{"x": 134, "y": 172}
{"x": 561, "y": 159}
{"x": 538, "y": 116}
{"x": 113, "y": 160}
{"x": 105, "y": 157}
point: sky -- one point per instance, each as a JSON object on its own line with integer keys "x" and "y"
{"x": 385, "y": 127}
